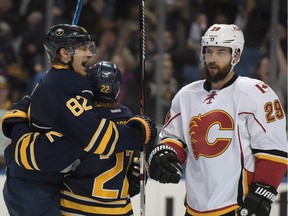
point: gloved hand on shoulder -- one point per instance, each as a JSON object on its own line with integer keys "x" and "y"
{"x": 145, "y": 126}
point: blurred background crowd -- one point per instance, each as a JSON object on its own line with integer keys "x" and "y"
{"x": 173, "y": 34}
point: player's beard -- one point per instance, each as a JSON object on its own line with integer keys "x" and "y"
{"x": 220, "y": 75}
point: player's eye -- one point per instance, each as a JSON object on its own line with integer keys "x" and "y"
{"x": 208, "y": 52}
{"x": 222, "y": 52}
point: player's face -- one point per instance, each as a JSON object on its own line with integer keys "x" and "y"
{"x": 83, "y": 52}
{"x": 217, "y": 63}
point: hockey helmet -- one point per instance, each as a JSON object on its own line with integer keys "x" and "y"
{"x": 106, "y": 80}
{"x": 66, "y": 36}
{"x": 223, "y": 35}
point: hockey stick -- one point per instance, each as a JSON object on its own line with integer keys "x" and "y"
{"x": 142, "y": 102}
{"x": 77, "y": 12}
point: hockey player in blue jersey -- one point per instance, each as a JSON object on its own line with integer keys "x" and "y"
{"x": 92, "y": 179}
{"x": 100, "y": 184}
{"x": 61, "y": 104}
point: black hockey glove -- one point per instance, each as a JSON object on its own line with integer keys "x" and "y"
{"x": 164, "y": 165}
{"x": 17, "y": 113}
{"x": 145, "y": 126}
{"x": 133, "y": 176}
{"x": 258, "y": 200}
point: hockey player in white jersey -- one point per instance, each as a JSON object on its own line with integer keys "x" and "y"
{"x": 229, "y": 130}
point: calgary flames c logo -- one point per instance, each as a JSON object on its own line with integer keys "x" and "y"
{"x": 199, "y": 129}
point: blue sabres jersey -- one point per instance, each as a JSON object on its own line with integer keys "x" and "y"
{"x": 61, "y": 103}
{"x": 99, "y": 185}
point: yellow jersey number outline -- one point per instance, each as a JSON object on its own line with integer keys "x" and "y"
{"x": 100, "y": 180}
{"x": 78, "y": 105}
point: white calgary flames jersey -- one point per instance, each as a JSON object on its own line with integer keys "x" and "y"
{"x": 220, "y": 128}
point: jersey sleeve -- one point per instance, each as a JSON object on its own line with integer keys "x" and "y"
{"x": 267, "y": 128}
{"x": 49, "y": 152}
{"x": 53, "y": 152}
{"x": 98, "y": 135}
{"x": 171, "y": 133}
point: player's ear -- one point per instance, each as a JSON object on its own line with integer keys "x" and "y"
{"x": 64, "y": 55}
{"x": 236, "y": 57}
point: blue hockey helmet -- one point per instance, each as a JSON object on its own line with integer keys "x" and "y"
{"x": 66, "y": 36}
{"x": 106, "y": 80}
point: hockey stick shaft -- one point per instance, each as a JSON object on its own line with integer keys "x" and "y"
{"x": 142, "y": 102}
{"x": 77, "y": 12}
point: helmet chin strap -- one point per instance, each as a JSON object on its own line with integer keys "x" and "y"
{"x": 71, "y": 54}
{"x": 233, "y": 64}
{"x": 70, "y": 63}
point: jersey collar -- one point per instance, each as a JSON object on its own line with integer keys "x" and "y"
{"x": 207, "y": 85}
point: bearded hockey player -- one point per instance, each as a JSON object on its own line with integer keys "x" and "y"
{"x": 230, "y": 131}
